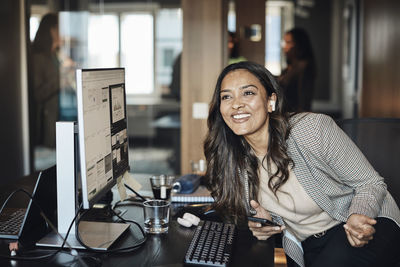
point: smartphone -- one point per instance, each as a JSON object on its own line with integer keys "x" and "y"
{"x": 264, "y": 222}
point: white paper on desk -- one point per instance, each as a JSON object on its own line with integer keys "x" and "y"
{"x": 131, "y": 182}
{"x": 121, "y": 188}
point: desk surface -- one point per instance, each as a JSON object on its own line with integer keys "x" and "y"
{"x": 159, "y": 250}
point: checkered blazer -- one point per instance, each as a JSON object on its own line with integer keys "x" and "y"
{"x": 335, "y": 174}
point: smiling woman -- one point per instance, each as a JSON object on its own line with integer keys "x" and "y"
{"x": 241, "y": 124}
{"x": 298, "y": 170}
{"x": 244, "y": 106}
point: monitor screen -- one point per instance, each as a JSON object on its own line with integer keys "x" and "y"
{"x": 102, "y": 123}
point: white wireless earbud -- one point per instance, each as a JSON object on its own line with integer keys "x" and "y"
{"x": 192, "y": 218}
{"x": 188, "y": 220}
{"x": 184, "y": 222}
{"x": 272, "y": 104}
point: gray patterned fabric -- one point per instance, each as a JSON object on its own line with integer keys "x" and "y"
{"x": 335, "y": 174}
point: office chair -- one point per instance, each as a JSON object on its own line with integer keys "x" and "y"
{"x": 379, "y": 140}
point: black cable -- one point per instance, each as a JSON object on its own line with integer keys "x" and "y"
{"x": 74, "y": 252}
{"x": 127, "y": 202}
{"x": 50, "y": 255}
{"x": 19, "y": 257}
{"x": 73, "y": 262}
{"x": 117, "y": 250}
{"x": 77, "y": 218}
{"x": 130, "y": 188}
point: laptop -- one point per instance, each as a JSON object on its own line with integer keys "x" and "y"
{"x": 21, "y": 216}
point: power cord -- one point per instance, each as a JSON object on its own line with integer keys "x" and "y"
{"x": 134, "y": 201}
{"x": 76, "y": 218}
{"x": 73, "y": 252}
{"x": 136, "y": 193}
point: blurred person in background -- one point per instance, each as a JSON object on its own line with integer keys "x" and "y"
{"x": 46, "y": 80}
{"x": 298, "y": 78}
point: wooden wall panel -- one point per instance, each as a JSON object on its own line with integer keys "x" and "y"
{"x": 381, "y": 59}
{"x": 248, "y": 13}
{"x": 204, "y": 28}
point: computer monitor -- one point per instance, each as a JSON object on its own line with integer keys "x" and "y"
{"x": 102, "y": 123}
{"x": 102, "y": 153}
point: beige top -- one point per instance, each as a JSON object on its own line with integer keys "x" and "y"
{"x": 302, "y": 216}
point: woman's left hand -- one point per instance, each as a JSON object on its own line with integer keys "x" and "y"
{"x": 359, "y": 229}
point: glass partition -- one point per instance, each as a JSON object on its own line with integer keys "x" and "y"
{"x": 146, "y": 40}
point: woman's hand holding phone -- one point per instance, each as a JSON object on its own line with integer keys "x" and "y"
{"x": 261, "y": 225}
{"x": 263, "y": 221}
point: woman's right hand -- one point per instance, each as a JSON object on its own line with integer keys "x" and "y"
{"x": 359, "y": 229}
{"x": 259, "y": 231}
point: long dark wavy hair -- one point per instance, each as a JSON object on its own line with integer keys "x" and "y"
{"x": 225, "y": 151}
{"x": 43, "y": 41}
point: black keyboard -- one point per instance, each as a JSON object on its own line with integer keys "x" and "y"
{"x": 11, "y": 221}
{"x": 211, "y": 244}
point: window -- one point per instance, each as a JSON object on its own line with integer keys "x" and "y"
{"x": 34, "y": 25}
{"x": 231, "y": 17}
{"x": 168, "y": 57}
{"x": 273, "y": 40}
{"x": 137, "y": 52}
{"x": 145, "y": 41}
{"x": 103, "y": 36}
{"x": 168, "y": 45}
{"x": 279, "y": 19}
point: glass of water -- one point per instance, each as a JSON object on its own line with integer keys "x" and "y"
{"x": 156, "y": 216}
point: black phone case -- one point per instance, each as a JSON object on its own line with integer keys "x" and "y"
{"x": 264, "y": 222}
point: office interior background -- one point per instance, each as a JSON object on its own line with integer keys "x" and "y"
{"x": 355, "y": 44}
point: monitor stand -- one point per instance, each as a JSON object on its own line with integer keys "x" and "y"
{"x": 98, "y": 235}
